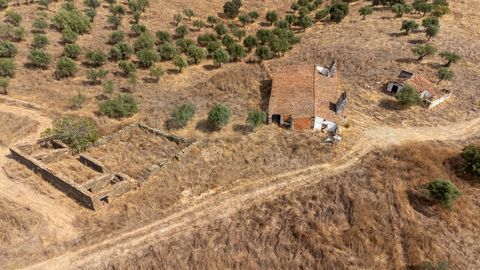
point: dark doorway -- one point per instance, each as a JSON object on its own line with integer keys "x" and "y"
{"x": 104, "y": 199}
{"x": 394, "y": 89}
{"x": 276, "y": 118}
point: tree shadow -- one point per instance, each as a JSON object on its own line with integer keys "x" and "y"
{"x": 435, "y": 65}
{"x": 396, "y": 34}
{"x": 205, "y": 126}
{"x": 417, "y": 41}
{"x": 149, "y": 80}
{"x": 172, "y": 71}
{"x": 420, "y": 203}
{"x": 265, "y": 90}
{"x": 243, "y": 129}
{"x": 406, "y": 60}
{"x": 209, "y": 67}
{"x": 390, "y": 105}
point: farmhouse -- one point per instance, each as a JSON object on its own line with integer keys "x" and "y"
{"x": 430, "y": 94}
{"x": 307, "y": 97}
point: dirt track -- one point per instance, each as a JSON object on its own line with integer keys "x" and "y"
{"x": 250, "y": 192}
{"x": 59, "y": 218}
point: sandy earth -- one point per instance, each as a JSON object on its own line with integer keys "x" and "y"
{"x": 251, "y": 192}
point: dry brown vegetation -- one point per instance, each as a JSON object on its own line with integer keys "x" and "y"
{"x": 372, "y": 217}
{"x": 375, "y": 216}
{"x": 14, "y": 126}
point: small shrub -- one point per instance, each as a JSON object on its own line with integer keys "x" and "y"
{"x": 156, "y": 72}
{"x": 39, "y": 25}
{"x": 92, "y": 3}
{"x": 423, "y": 51}
{"x": 180, "y": 63}
{"x": 408, "y": 96}
{"x": 236, "y": 51}
{"x": 183, "y": 44}
{"x": 271, "y": 17}
{"x": 7, "y": 67}
{"x": 231, "y": 10}
{"x": 114, "y": 21}
{"x": 444, "y": 74}
{"x": 137, "y": 29}
{"x": 91, "y": 13}
{"x": 220, "y": 29}
{"x": 39, "y": 58}
{"x": 167, "y": 51}
{"x": 108, "y": 87}
{"x": 181, "y": 31}
{"x": 255, "y": 118}
{"x": 13, "y": 17}
{"x": 77, "y": 101}
{"x": 96, "y": 58}
{"x": 365, "y": 11}
{"x": 144, "y": 42}
{"x": 471, "y": 156}
{"x": 95, "y": 76}
{"x": 116, "y": 37}
{"x": 69, "y": 36}
{"x": 220, "y": 56}
{"x": 66, "y": 67}
{"x": 408, "y": 26}
{"x": 195, "y": 54}
{"x": 219, "y": 116}
{"x": 7, "y": 49}
{"x": 181, "y": 116}
{"x": 17, "y": 34}
{"x": 451, "y": 57}
{"x": 263, "y": 53}
{"x": 78, "y": 133}
{"x": 4, "y": 81}
{"x": 204, "y": 39}
{"x": 119, "y": 107}
{"x": 127, "y": 67}
{"x": 250, "y": 42}
{"x": 120, "y": 51}
{"x": 338, "y": 11}
{"x": 73, "y": 19}
{"x": 45, "y": 3}
{"x": 147, "y": 58}
{"x": 39, "y": 41}
{"x": 444, "y": 192}
{"x": 72, "y": 51}
{"x": 163, "y": 37}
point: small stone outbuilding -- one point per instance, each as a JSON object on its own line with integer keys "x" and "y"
{"x": 430, "y": 94}
{"x": 307, "y": 97}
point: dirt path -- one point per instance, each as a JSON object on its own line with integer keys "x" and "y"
{"x": 251, "y": 192}
{"x": 58, "y": 218}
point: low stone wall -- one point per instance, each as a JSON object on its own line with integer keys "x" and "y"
{"x": 173, "y": 138}
{"x": 92, "y": 163}
{"x": 107, "y": 138}
{"x": 69, "y": 188}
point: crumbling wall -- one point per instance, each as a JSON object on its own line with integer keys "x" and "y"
{"x": 69, "y": 188}
{"x": 173, "y": 138}
{"x": 92, "y": 163}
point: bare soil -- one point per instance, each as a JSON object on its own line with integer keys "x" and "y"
{"x": 296, "y": 210}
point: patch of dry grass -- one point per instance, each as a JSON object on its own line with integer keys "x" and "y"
{"x": 372, "y": 217}
{"x": 14, "y": 126}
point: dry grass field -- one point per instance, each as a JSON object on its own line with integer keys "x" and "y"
{"x": 372, "y": 216}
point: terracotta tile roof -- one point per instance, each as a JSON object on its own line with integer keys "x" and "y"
{"x": 422, "y": 84}
{"x": 327, "y": 92}
{"x": 292, "y": 91}
{"x": 301, "y": 91}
